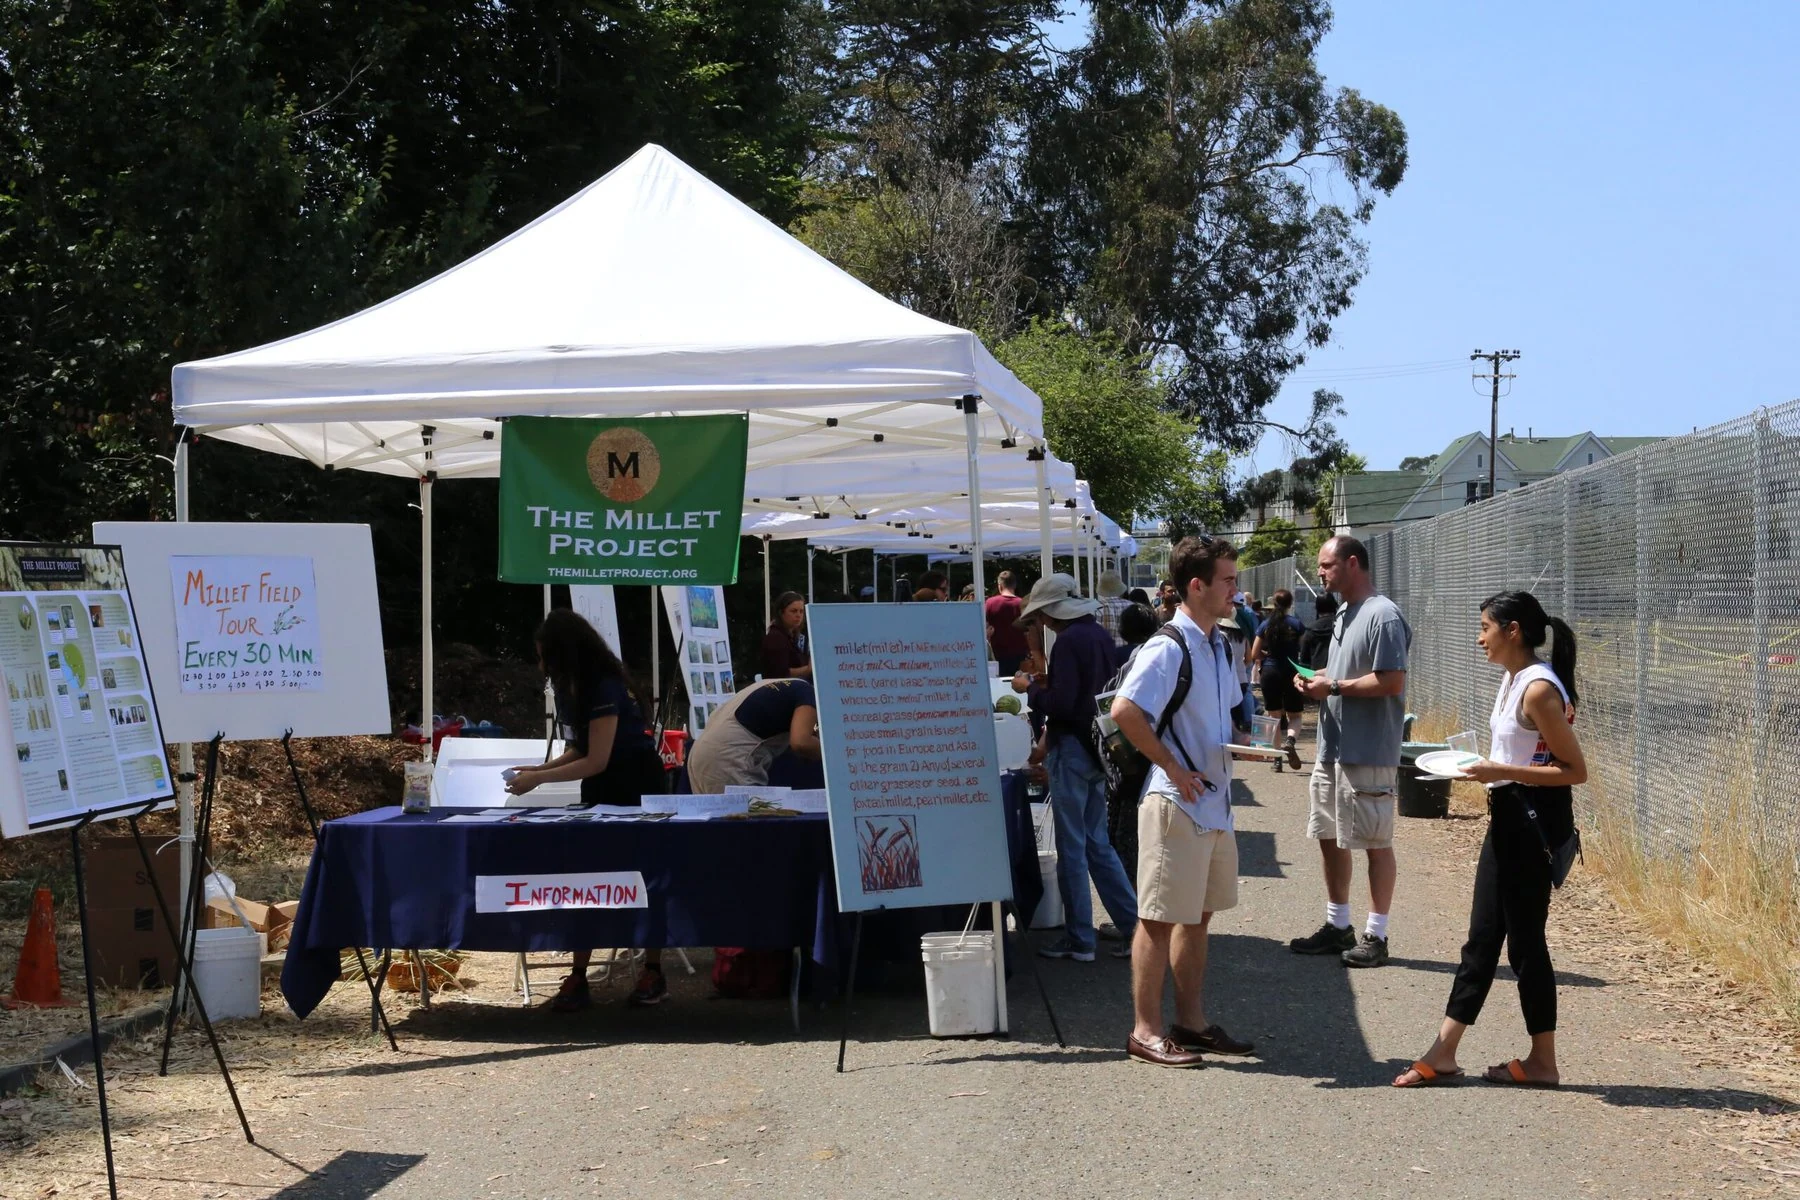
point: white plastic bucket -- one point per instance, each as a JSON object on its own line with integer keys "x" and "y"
{"x": 959, "y": 983}
{"x": 228, "y": 971}
{"x": 1049, "y": 912}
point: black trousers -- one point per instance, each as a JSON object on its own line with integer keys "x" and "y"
{"x": 1512, "y": 904}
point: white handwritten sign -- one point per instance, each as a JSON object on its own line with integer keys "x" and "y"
{"x": 551, "y": 893}
{"x": 698, "y": 808}
{"x": 247, "y": 624}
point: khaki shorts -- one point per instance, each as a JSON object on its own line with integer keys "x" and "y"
{"x": 1353, "y": 804}
{"x": 1183, "y": 871}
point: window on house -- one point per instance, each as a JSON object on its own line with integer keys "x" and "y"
{"x": 1590, "y": 458}
{"x": 1475, "y": 489}
{"x": 1479, "y": 462}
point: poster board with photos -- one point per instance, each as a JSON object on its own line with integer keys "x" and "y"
{"x": 253, "y": 629}
{"x": 703, "y": 640}
{"x": 82, "y": 735}
{"x": 907, "y": 734}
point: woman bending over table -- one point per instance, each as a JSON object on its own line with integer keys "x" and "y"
{"x": 607, "y": 748}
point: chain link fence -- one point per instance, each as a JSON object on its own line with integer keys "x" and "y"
{"x": 1675, "y": 564}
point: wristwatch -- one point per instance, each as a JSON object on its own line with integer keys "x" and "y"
{"x": 1334, "y": 687}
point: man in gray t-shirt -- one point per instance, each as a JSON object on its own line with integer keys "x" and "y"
{"x": 1362, "y": 707}
{"x": 1370, "y": 635}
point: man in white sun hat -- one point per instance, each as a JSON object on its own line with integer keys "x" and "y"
{"x": 1081, "y": 665}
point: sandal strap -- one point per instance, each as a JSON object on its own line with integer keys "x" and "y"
{"x": 1516, "y": 1069}
{"x": 1423, "y": 1070}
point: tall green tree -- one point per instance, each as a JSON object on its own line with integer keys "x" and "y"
{"x": 951, "y": 75}
{"x": 1104, "y": 413}
{"x": 1197, "y": 187}
{"x": 180, "y": 181}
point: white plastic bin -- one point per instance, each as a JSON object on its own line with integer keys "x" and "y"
{"x": 1049, "y": 912}
{"x": 228, "y": 971}
{"x": 959, "y": 983}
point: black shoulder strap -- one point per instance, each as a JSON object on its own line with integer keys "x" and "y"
{"x": 1184, "y": 683}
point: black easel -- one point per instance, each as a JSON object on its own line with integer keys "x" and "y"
{"x": 850, "y": 991}
{"x": 196, "y": 893}
{"x": 87, "y": 967}
{"x": 312, "y": 820}
{"x": 185, "y": 967}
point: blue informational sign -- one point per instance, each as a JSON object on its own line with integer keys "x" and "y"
{"x": 908, "y": 740}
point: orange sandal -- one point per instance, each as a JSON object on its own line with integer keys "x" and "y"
{"x": 1512, "y": 1074}
{"x": 1429, "y": 1076}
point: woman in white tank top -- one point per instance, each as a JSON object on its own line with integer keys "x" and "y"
{"x": 1533, "y": 760}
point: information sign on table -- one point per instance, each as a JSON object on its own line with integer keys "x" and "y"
{"x": 82, "y": 734}
{"x": 917, "y": 816}
{"x": 639, "y": 500}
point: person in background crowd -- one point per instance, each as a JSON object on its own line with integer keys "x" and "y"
{"x": 1138, "y": 595}
{"x": 1533, "y": 760}
{"x": 968, "y": 592}
{"x": 752, "y": 728}
{"x": 932, "y": 586}
{"x": 784, "y": 652}
{"x": 1112, "y": 603}
{"x": 1187, "y": 863}
{"x": 1137, "y": 625}
{"x": 607, "y": 747}
{"x": 1362, "y": 711}
{"x": 1167, "y": 600}
{"x": 1002, "y": 614}
{"x": 1315, "y": 644}
{"x": 1240, "y": 628}
{"x": 1082, "y": 663}
{"x": 1277, "y": 642}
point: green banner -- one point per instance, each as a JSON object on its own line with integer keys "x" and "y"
{"x": 634, "y": 500}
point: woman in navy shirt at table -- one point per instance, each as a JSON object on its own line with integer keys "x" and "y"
{"x": 607, "y": 747}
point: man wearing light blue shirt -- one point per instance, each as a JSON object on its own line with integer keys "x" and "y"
{"x": 1187, "y": 850}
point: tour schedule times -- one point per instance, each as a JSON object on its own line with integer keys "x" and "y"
{"x": 907, "y": 735}
{"x": 82, "y": 723}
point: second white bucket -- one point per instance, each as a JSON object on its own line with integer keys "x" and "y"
{"x": 1049, "y": 912}
{"x": 228, "y": 971}
{"x": 959, "y": 983}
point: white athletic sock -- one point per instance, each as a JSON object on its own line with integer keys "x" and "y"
{"x": 1377, "y": 926}
{"x": 1338, "y": 915}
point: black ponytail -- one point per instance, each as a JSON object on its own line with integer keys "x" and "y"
{"x": 1535, "y": 627}
{"x": 1562, "y": 654}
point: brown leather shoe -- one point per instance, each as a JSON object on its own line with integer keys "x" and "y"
{"x": 1161, "y": 1052}
{"x": 1211, "y": 1040}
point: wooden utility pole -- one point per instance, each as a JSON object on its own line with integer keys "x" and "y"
{"x": 1494, "y": 375}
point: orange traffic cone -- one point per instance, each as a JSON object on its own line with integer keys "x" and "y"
{"x": 39, "y": 982}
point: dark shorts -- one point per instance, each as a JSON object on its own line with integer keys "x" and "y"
{"x": 1280, "y": 695}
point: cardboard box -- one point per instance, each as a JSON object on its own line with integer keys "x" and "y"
{"x": 270, "y": 920}
{"x": 116, "y": 878}
{"x": 130, "y": 947}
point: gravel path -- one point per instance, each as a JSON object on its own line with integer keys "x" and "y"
{"x": 705, "y": 1097}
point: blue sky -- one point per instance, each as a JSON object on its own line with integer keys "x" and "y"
{"x": 1609, "y": 187}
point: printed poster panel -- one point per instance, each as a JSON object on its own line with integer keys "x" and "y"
{"x": 911, "y": 776}
{"x": 247, "y": 623}
{"x": 81, "y": 733}
{"x": 638, "y": 500}
{"x": 703, "y": 642}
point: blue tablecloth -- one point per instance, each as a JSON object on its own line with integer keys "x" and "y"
{"x": 404, "y": 881}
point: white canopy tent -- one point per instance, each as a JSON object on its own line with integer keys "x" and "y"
{"x": 650, "y": 292}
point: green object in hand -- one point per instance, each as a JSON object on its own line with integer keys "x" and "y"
{"x": 1303, "y": 672}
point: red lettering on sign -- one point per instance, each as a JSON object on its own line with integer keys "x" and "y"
{"x": 515, "y": 894}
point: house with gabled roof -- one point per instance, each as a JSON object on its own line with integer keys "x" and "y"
{"x": 1376, "y": 500}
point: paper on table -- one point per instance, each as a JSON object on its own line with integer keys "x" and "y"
{"x": 1302, "y": 672}
{"x": 707, "y": 808}
{"x": 807, "y": 800}
{"x": 478, "y": 818}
